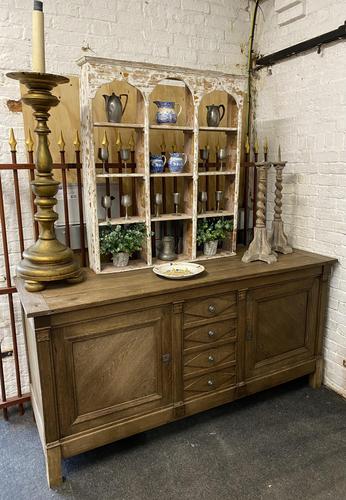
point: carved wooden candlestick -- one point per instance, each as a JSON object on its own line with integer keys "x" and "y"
{"x": 47, "y": 260}
{"x": 278, "y": 238}
{"x": 259, "y": 248}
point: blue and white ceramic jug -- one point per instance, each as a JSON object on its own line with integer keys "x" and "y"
{"x": 157, "y": 163}
{"x": 177, "y": 162}
{"x": 166, "y": 112}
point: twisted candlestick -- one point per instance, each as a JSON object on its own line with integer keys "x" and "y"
{"x": 47, "y": 260}
{"x": 278, "y": 238}
{"x": 259, "y": 248}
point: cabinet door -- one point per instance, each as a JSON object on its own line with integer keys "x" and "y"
{"x": 112, "y": 368}
{"x": 281, "y": 326}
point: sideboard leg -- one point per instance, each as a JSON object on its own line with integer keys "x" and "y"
{"x": 53, "y": 466}
{"x": 315, "y": 378}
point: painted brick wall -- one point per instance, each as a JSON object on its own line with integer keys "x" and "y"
{"x": 195, "y": 33}
{"x": 302, "y": 106}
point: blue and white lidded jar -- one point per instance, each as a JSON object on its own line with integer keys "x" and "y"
{"x": 166, "y": 112}
{"x": 157, "y": 163}
{"x": 177, "y": 162}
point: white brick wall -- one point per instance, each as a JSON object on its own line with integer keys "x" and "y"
{"x": 302, "y": 106}
{"x": 196, "y": 33}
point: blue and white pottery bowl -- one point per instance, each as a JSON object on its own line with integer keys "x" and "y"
{"x": 177, "y": 162}
{"x": 157, "y": 163}
{"x": 166, "y": 112}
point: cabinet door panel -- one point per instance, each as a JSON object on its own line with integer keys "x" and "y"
{"x": 114, "y": 368}
{"x": 281, "y": 326}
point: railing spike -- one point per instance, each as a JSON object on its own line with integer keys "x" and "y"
{"x": 12, "y": 141}
{"x": 118, "y": 142}
{"x": 61, "y": 143}
{"x": 163, "y": 144}
{"x": 132, "y": 143}
{"x": 29, "y": 142}
{"x": 105, "y": 142}
{"x": 76, "y": 142}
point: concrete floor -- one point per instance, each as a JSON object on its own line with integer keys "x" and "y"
{"x": 286, "y": 443}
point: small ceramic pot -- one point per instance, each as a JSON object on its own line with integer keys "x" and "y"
{"x": 177, "y": 162}
{"x": 157, "y": 163}
{"x": 120, "y": 259}
{"x": 166, "y": 112}
{"x": 210, "y": 248}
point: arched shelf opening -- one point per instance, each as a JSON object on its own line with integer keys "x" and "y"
{"x": 171, "y": 120}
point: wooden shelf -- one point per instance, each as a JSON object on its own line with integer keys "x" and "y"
{"x": 119, "y": 125}
{"x": 228, "y": 130}
{"x": 173, "y": 174}
{"x": 219, "y": 254}
{"x": 132, "y": 266}
{"x": 165, "y": 217}
{"x": 183, "y": 128}
{"x": 180, "y": 257}
{"x": 135, "y": 219}
{"x": 213, "y": 213}
{"x": 104, "y": 176}
{"x": 217, "y": 172}
{"x": 147, "y": 135}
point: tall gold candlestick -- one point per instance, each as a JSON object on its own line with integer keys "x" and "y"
{"x": 47, "y": 260}
{"x": 38, "y": 55}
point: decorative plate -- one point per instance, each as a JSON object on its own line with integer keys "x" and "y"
{"x": 178, "y": 270}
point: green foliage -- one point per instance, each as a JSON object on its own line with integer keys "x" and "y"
{"x": 213, "y": 229}
{"x": 121, "y": 238}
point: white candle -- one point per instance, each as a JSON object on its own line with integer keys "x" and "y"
{"x": 38, "y": 59}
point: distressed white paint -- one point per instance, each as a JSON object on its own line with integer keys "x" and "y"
{"x": 145, "y": 77}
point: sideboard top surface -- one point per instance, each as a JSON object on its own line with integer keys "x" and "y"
{"x": 99, "y": 290}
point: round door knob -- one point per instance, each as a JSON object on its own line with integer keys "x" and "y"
{"x": 211, "y": 333}
{"x": 211, "y": 308}
{"x": 211, "y": 359}
{"x": 210, "y": 382}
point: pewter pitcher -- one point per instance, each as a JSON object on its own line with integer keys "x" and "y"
{"x": 213, "y": 114}
{"x": 114, "y": 107}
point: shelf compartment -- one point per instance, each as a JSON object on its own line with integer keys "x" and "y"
{"x": 138, "y": 126}
{"x": 172, "y": 174}
{"x": 228, "y": 130}
{"x": 217, "y": 172}
{"x": 213, "y": 213}
{"x": 133, "y": 219}
{"x": 168, "y": 217}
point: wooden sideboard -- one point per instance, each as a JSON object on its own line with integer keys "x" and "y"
{"x": 120, "y": 354}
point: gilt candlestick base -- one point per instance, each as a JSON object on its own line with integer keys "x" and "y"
{"x": 259, "y": 248}
{"x": 47, "y": 260}
{"x": 278, "y": 239}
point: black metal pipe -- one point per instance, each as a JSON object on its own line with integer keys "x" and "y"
{"x": 317, "y": 41}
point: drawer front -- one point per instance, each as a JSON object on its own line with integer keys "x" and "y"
{"x": 209, "y": 359}
{"x": 205, "y": 335}
{"x": 210, "y": 307}
{"x": 209, "y": 383}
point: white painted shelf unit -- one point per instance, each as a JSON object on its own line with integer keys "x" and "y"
{"x": 198, "y": 87}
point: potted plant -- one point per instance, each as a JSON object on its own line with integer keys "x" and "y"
{"x": 121, "y": 241}
{"x": 211, "y": 231}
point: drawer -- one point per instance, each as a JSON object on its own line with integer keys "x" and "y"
{"x": 210, "y": 333}
{"x": 209, "y": 383}
{"x": 210, "y": 307}
{"x": 209, "y": 359}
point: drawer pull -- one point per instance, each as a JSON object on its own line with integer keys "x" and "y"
{"x": 211, "y": 333}
{"x": 211, "y": 359}
{"x": 211, "y": 308}
{"x": 211, "y": 383}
